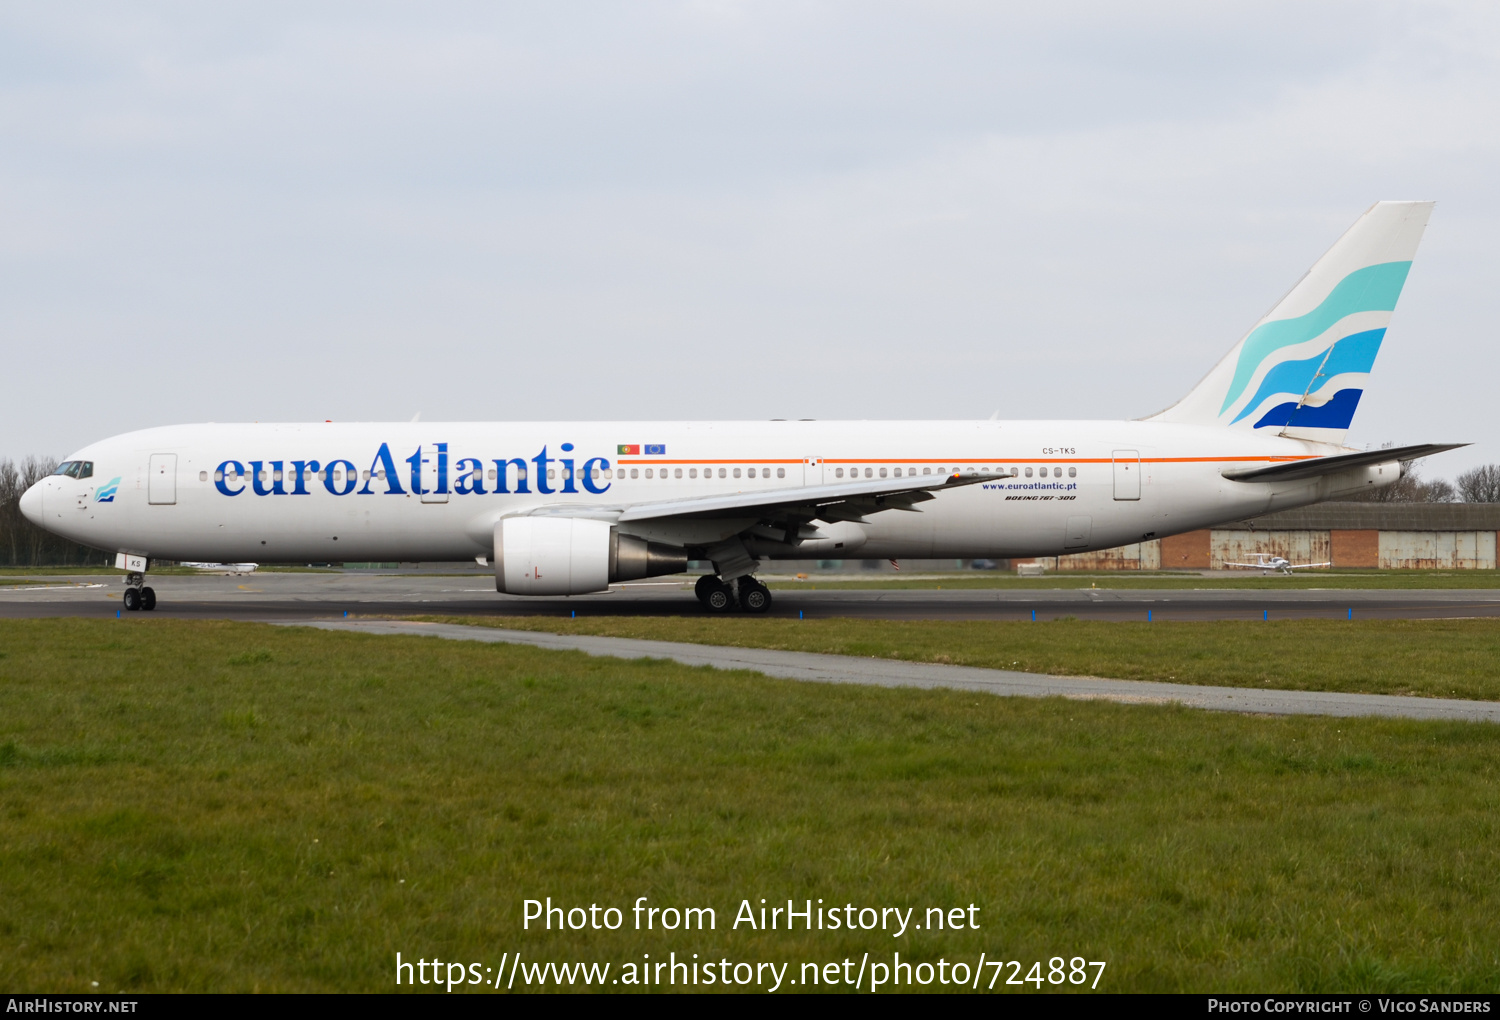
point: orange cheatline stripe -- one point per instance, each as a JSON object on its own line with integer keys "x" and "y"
{"x": 987, "y": 460}
{"x": 662, "y": 460}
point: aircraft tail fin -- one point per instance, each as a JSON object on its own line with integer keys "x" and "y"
{"x": 1301, "y": 371}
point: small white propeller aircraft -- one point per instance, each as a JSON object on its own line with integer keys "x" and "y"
{"x": 1265, "y": 561}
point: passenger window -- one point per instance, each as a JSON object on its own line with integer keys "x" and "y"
{"x": 202, "y": 476}
{"x": 750, "y": 473}
{"x": 692, "y": 472}
{"x": 838, "y": 472}
{"x": 218, "y": 476}
{"x": 927, "y": 471}
{"x": 1072, "y": 472}
{"x": 608, "y": 473}
{"x": 1028, "y": 472}
{"x": 736, "y": 472}
{"x": 648, "y": 472}
{"x": 781, "y": 472}
{"x": 721, "y": 472}
{"x": 882, "y": 472}
{"x": 869, "y": 472}
{"x": 898, "y": 472}
{"x": 677, "y": 473}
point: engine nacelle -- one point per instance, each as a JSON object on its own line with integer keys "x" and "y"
{"x": 573, "y": 556}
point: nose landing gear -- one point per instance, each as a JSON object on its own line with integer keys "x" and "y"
{"x": 137, "y": 595}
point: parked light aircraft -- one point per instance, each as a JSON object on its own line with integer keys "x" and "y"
{"x": 1265, "y": 561}
{"x": 564, "y": 508}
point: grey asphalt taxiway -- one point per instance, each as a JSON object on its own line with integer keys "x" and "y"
{"x": 365, "y": 602}
{"x": 846, "y": 669}
{"x": 313, "y": 596}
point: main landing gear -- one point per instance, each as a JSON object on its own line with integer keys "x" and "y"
{"x": 722, "y": 596}
{"x": 137, "y": 595}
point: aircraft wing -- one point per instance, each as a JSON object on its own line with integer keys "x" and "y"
{"x": 843, "y": 501}
{"x": 1294, "y": 470}
{"x": 1252, "y": 566}
{"x": 1306, "y": 566}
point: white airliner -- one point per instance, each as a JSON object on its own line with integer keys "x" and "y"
{"x": 564, "y": 508}
{"x": 1265, "y": 561}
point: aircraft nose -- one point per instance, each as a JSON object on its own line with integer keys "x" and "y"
{"x": 31, "y": 502}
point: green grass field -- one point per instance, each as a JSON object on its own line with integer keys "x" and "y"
{"x": 216, "y": 806}
{"x": 1432, "y": 658}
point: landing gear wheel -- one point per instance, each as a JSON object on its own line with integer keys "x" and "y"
{"x": 706, "y": 584}
{"x": 754, "y": 596}
{"x": 717, "y": 596}
{"x": 132, "y": 600}
{"x": 148, "y": 599}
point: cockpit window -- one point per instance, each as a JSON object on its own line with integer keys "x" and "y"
{"x": 76, "y": 469}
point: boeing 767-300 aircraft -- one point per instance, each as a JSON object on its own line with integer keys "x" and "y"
{"x": 564, "y": 508}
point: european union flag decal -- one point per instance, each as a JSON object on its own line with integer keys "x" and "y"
{"x": 656, "y": 448}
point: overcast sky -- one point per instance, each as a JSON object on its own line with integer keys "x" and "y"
{"x": 722, "y": 210}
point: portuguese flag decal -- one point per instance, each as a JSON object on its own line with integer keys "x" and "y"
{"x": 628, "y": 448}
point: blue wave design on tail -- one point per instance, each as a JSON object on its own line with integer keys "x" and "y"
{"x": 1354, "y": 353}
{"x": 1336, "y": 414}
{"x": 1371, "y": 289}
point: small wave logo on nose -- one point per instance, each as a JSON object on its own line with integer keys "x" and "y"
{"x": 106, "y": 493}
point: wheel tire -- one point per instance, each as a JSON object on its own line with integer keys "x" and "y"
{"x": 148, "y": 599}
{"x": 754, "y": 596}
{"x": 132, "y": 600}
{"x": 720, "y": 599}
{"x": 706, "y": 584}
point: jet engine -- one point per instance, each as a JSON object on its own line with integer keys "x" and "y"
{"x": 574, "y": 555}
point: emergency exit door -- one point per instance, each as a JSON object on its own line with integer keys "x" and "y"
{"x": 1127, "y": 474}
{"x": 161, "y": 482}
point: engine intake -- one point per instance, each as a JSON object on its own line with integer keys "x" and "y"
{"x": 573, "y": 556}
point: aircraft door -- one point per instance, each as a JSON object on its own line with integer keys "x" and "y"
{"x": 435, "y": 473}
{"x": 161, "y": 480}
{"x": 1127, "y": 474}
{"x": 812, "y": 472}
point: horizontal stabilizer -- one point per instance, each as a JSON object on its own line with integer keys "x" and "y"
{"x": 1328, "y": 465}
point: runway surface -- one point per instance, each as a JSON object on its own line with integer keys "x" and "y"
{"x": 295, "y": 596}
{"x": 845, "y": 669}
